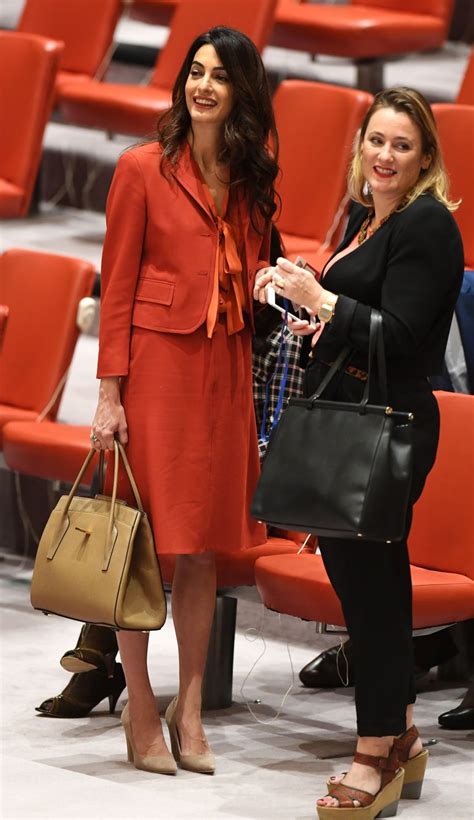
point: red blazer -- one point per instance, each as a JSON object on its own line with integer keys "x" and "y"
{"x": 159, "y": 254}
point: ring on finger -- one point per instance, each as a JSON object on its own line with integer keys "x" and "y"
{"x": 93, "y": 438}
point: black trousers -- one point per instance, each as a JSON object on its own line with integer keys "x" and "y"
{"x": 372, "y": 579}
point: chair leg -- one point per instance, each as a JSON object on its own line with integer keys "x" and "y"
{"x": 370, "y": 75}
{"x": 217, "y": 682}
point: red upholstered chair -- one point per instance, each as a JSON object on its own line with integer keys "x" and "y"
{"x": 48, "y": 450}
{"x": 316, "y": 124}
{"x": 86, "y": 28}
{"x": 466, "y": 92}
{"x": 441, "y": 542}
{"x": 133, "y": 109}
{"x": 456, "y": 130}
{"x": 367, "y": 31}
{"x": 42, "y": 292}
{"x": 157, "y": 12}
{"x": 28, "y": 67}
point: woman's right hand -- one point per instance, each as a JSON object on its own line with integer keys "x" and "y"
{"x": 109, "y": 417}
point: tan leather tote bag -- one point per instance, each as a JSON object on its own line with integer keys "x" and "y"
{"x": 96, "y": 561}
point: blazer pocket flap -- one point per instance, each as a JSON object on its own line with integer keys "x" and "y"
{"x": 155, "y": 290}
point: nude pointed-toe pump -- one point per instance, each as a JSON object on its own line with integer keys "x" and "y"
{"x": 160, "y": 764}
{"x": 203, "y": 763}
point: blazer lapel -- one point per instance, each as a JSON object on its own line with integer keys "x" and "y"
{"x": 188, "y": 179}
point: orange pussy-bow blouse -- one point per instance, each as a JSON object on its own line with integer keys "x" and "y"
{"x": 228, "y": 295}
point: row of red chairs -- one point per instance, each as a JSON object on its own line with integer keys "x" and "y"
{"x": 367, "y": 32}
{"x": 314, "y": 159}
{"x": 85, "y": 100}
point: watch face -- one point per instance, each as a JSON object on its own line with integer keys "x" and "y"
{"x": 326, "y": 313}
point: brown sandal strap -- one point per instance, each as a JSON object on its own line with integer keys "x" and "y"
{"x": 346, "y": 795}
{"x": 404, "y": 743}
{"x": 389, "y": 763}
{"x": 387, "y": 766}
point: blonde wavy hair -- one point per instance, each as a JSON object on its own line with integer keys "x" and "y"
{"x": 432, "y": 180}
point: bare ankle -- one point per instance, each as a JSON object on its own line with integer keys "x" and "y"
{"x": 378, "y": 746}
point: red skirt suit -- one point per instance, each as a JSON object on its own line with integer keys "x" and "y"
{"x": 187, "y": 397}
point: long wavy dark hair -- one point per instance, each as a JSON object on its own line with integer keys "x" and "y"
{"x": 249, "y": 128}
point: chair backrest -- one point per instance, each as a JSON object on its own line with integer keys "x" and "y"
{"x": 156, "y": 12}
{"x": 28, "y": 67}
{"x": 317, "y": 124}
{"x": 42, "y": 292}
{"x": 442, "y": 9}
{"x": 456, "y": 132}
{"x": 466, "y": 92}
{"x": 86, "y": 27}
{"x": 255, "y": 19}
{"x": 442, "y": 534}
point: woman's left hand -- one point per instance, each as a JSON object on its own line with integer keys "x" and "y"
{"x": 263, "y": 278}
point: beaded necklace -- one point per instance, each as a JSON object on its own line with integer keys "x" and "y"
{"x": 365, "y": 231}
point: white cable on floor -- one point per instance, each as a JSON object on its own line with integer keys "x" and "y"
{"x": 259, "y": 634}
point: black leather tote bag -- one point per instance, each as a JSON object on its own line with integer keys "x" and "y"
{"x": 340, "y": 469}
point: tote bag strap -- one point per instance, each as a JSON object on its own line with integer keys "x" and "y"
{"x": 376, "y": 352}
{"x": 128, "y": 470}
{"x": 338, "y": 365}
{"x": 119, "y": 452}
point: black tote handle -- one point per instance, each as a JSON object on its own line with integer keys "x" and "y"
{"x": 376, "y": 352}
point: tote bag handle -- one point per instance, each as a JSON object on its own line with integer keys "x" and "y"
{"x": 376, "y": 352}
{"x": 119, "y": 452}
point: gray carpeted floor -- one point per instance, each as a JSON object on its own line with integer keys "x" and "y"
{"x": 78, "y": 769}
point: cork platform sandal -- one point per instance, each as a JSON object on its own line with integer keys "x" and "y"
{"x": 414, "y": 767}
{"x": 362, "y": 805}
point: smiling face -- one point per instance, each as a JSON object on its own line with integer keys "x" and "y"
{"x": 392, "y": 156}
{"x": 208, "y": 91}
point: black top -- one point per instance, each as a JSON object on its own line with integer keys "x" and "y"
{"x": 411, "y": 269}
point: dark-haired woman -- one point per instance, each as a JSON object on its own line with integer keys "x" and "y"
{"x": 188, "y": 225}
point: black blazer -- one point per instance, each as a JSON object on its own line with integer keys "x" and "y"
{"x": 411, "y": 269}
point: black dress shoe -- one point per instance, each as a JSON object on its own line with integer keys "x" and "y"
{"x": 329, "y": 670}
{"x": 462, "y": 717}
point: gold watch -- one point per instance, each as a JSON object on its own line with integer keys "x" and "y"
{"x": 327, "y": 310}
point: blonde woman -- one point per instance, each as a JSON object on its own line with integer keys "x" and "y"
{"x": 402, "y": 254}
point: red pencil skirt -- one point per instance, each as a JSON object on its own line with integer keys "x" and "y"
{"x": 192, "y": 438}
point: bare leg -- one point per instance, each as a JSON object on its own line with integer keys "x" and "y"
{"x": 418, "y": 745}
{"x": 193, "y": 604}
{"x": 144, "y": 716}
